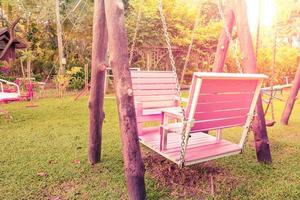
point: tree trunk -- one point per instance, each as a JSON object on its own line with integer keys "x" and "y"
{"x": 99, "y": 48}
{"x": 28, "y": 66}
{"x": 118, "y": 45}
{"x": 239, "y": 14}
{"x": 59, "y": 39}
{"x": 292, "y": 98}
{"x": 22, "y": 68}
{"x": 249, "y": 61}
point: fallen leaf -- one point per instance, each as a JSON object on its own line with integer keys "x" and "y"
{"x": 42, "y": 174}
{"x": 76, "y": 161}
{"x": 52, "y": 162}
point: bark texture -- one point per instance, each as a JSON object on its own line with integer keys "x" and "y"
{"x": 239, "y": 11}
{"x": 99, "y": 48}
{"x": 118, "y": 45}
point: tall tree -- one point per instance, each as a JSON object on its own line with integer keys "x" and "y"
{"x": 236, "y": 12}
{"x": 292, "y": 98}
{"x": 59, "y": 38}
{"x": 99, "y": 48}
{"x": 113, "y": 12}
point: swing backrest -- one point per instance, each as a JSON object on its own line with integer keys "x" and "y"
{"x": 222, "y": 100}
{"x": 155, "y": 89}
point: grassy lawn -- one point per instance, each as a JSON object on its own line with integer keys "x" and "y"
{"x": 43, "y": 155}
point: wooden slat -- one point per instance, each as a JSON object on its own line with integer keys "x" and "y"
{"x": 221, "y": 114}
{"x": 154, "y": 98}
{"x": 210, "y": 86}
{"x": 153, "y": 92}
{"x": 207, "y": 147}
{"x": 218, "y": 124}
{"x": 201, "y": 146}
{"x": 220, "y": 97}
{"x": 157, "y": 110}
{"x": 150, "y": 118}
{"x": 216, "y": 149}
{"x": 214, "y": 106}
{"x": 153, "y": 80}
{"x": 154, "y": 87}
{"x": 158, "y": 104}
{"x": 155, "y": 74}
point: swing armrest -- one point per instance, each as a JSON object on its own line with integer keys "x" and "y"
{"x": 173, "y": 113}
{"x": 166, "y": 127}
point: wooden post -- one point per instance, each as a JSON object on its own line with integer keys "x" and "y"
{"x": 118, "y": 45}
{"x": 292, "y": 98}
{"x": 239, "y": 9}
{"x": 223, "y": 43}
{"x": 99, "y": 48}
{"x": 249, "y": 61}
{"x": 59, "y": 38}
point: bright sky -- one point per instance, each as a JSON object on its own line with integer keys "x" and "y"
{"x": 268, "y": 13}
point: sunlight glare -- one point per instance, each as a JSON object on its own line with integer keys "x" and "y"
{"x": 268, "y": 13}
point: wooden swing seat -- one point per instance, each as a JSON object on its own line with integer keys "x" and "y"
{"x": 216, "y": 101}
{"x": 202, "y": 147}
{"x": 5, "y": 95}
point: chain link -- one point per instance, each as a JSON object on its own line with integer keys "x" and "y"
{"x": 187, "y": 58}
{"x": 137, "y": 27}
{"x": 248, "y": 131}
{"x": 228, "y": 34}
{"x": 166, "y": 34}
{"x": 173, "y": 65}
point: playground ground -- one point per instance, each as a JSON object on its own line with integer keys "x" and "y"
{"x": 43, "y": 155}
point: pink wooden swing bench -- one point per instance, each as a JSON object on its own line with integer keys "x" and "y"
{"x": 7, "y": 94}
{"x": 216, "y": 101}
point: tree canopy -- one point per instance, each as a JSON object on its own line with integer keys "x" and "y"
{"x": 39, "y": 29}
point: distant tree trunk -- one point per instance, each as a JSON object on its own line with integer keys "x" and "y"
{"x": 249, "y": 61}
{"x": 292, "y": 98}
{"x": 99, "y": 48}
{"x": 28, "y": 63}
{"x": 22, "y": 68}
{"x": 59, "y": 39}
{"x": 118, "y": 45}
{"x": 28, "y": 59}
{"x": 2, "y": 14}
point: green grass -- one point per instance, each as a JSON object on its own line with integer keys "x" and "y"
{"x": 39, "y": 145}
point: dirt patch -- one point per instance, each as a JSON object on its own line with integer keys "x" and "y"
{"x": 62, "y": 190}
{"x": 199, "y": 181}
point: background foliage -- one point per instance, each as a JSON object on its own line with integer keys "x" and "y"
{"x": 38, "y": 28}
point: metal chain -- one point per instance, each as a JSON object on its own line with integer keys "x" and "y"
{"x": 173, "y": 65}
{"x": 228, "y": 34}
{"x": 166, "y": 34}
{"x": 137, "y": 27}
{"x": 197, "y": 21}
{"x": 248, "y": 131}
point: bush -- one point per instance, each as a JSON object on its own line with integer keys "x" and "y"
{"x": 77, "y": 78}
{"x": 76, "y": 83}
{"x": 285, "y": 65}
